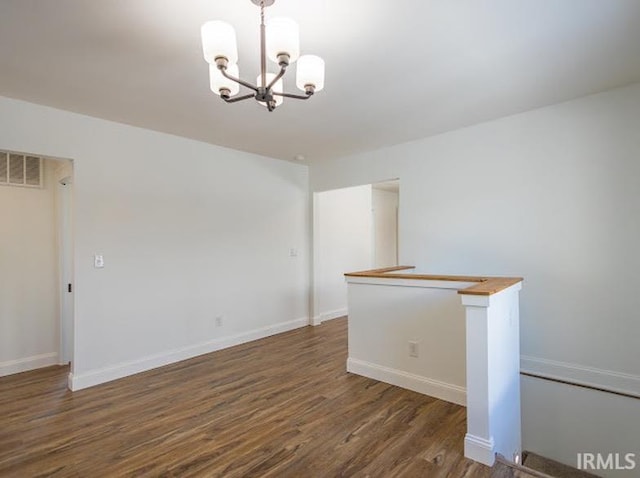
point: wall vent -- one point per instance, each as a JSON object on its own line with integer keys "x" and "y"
{"x": 20, "y": 170}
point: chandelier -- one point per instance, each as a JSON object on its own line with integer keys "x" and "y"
{"x": 279, "y": 41}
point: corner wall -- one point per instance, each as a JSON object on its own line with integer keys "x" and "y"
{"x": 550, "y": 195}
{"x": 189, "y": 232}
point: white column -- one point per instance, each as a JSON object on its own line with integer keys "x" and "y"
{"x": 493, "y": 376}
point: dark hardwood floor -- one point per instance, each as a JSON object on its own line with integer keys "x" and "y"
{"x": 278, "y": 407}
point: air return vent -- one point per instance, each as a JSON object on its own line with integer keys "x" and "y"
{"x": 20, "y": 170}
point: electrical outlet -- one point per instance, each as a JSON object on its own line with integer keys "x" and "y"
{"x": 413, "y": 348}
{"x": 219, "y": 321}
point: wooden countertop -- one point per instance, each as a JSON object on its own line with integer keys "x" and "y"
{"x": 482, "y": 286}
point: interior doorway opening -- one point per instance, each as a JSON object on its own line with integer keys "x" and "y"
{"x": 385, "y": 198}
{"x": 36, "y": 263}
{"x": 354, "y": 228}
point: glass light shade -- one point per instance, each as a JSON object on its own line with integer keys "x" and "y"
{"x": 217, "y": 80}
{"x": 219, "y": 39}
{"x": 310, "y": 72}
{"x": 282, "y": 36}
{"x": 279, "y": 87}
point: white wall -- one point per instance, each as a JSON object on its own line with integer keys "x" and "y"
{"x": 189, "y": 232}
{"x": 343, "y": 240}
{"x": 571, "y": 420}
{"x": 385, "y": 225}
{"x": 28, "y": 276}
{"x": 551, "y": 195}
{"x": 384, "y": 317}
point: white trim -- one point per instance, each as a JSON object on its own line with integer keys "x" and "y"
{"x": 417, "y": 383}
{"x": 479, "y": 449}
{"x": 580, "y": 374}
{"x": 470, "y": 300}
{"x": 64, "y": 219}
{"x": 28, "y": 363}
{"x": 114, "y": 372}
{"x": 333, "y": 314}
{"x": 315, "y": 260}
{"x": 423, "y": 283}
{"x": 473, "y": 300}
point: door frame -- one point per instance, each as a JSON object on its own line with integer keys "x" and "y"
{"x": 64, "y": 184}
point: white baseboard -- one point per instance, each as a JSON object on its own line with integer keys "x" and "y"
{"x": 96, "y": 377}
{"x": 479, "y": 449}
{"x": 417, "y": 383}
{"x": 333, "y": 314}
{"x": 330, "y": 315}
{"x": 28, "y": 363}
{"x": 579, "y": 374}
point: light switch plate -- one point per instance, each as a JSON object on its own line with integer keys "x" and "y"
{"x": 98, "y": 261}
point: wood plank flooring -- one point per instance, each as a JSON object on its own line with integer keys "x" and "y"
{"x": 278, "y": 407}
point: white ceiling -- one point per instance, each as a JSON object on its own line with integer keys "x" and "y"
{"x": 396, "y": 70}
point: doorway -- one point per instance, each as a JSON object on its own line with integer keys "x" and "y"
{"x": 354, "y": 228}
{"x": 36, "y": 319}
{"x": 385, "y": 198}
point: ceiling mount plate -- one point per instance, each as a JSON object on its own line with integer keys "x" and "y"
{"x": 267, "y": 3}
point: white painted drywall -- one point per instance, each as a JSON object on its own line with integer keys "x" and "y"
{"x": 385, "y": 226}
{"x": 561, "y": 421}
{"x": 550, "y": 195}
{"x": 343, "y": 234}
{"x": 386, "y": 315}
{"x": 189, "y": 231}
{"x": 28, "y": 276}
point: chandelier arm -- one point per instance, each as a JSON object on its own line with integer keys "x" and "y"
{"x": 238, "y": 98}
{"x": 290, "y": 95}
{"x": 238, "y": 80}
{"x": 283, "y": 69}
